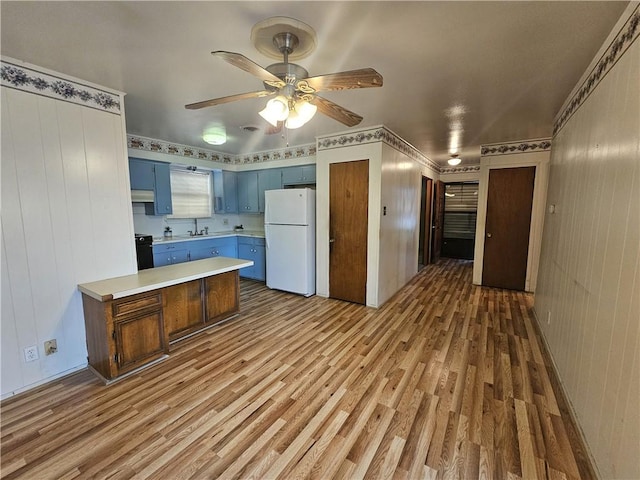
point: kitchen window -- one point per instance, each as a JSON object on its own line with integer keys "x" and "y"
{"x": 190, "y": 193}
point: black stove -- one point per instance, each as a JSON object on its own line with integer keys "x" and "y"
{"x": 144, "y": 250}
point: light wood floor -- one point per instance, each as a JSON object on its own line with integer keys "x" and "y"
{"x": 446, "y": 380}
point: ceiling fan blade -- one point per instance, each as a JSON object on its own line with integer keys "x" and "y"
{"x": 230, "y": 98}
{"x": 363, "y": 78}
{"x": 336, "y": 112}
{"x": 242, "y": 62}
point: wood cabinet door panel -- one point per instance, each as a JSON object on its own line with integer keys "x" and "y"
{"x": 182, "y": 308}
{"x": 138, "y": 339}
{"x": 222, "y": 295}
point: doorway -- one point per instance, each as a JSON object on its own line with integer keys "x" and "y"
{"x": 424, "y": 244}
{"x": 459, "y": 225}
{"x": 507, "y": 227}
{"x": 348, "y": 227}
{"x": 438, "y": 220}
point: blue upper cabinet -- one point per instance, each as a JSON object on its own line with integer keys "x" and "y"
{"x": 141, "y": 174}
{"x": 162, "y": 204}
{"x": 248, "y": 192}
{"x": 225, "y": 192}
{"x": 155, "y": 176}
{"x": 270, "y": 179}
{"x": 304, "y": 174}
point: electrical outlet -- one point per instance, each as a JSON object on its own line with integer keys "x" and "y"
{"x": 31, "y": 353}
{"x": 50, "y": 346}
{"x": 225, "y": 221}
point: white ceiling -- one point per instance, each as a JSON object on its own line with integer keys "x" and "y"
{"x": 493, "y": 71}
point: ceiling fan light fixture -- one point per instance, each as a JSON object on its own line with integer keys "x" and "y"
{"x": 277, "y": 110}
{"x": 300, "y": 114}
{"x": 454, "y": 160}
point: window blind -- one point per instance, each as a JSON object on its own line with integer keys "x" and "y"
{"x": 190, "y": 194}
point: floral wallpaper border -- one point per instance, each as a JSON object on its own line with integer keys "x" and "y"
{"x": 469, "y": 169}
{"x": 516, "y": 147}
{"x": 378, "y": 134}
{"x": 152, "y": 145}
{"x": 628, "y": 34}
{"x": 33, "y": 81}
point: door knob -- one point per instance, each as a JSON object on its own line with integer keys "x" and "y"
{"x": 488, "y": 235}
{"x": 332, "y": 240}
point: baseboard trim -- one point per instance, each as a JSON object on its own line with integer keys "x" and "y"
{"x": 565, "y": 405}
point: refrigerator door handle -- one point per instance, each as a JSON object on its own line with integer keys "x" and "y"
{"x": 266, "y": 235}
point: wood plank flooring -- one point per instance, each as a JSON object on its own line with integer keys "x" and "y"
{"x": 446, "y": 380}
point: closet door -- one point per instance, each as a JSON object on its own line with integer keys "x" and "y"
{"x": 507, "y": 227}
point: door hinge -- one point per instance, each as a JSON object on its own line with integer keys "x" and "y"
{"x": 113, "y": 334}
{"x": 115, "y": 358}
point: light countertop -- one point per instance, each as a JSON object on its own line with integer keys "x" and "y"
{"x": 230, "y": 233}
{"x": 159, "y": 277}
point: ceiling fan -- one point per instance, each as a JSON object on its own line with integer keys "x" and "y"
{"x": 294, "y": 93}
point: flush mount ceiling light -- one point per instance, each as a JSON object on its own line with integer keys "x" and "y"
{"x": 216, "y": 136}
{"x": 454, "y": 160}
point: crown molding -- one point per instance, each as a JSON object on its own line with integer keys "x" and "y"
{"x": 373, "y": 135}
{"x": 467, "y": 169}
{"x": 32, "y": 80}
{"x": 510, "y": 148}
{"x": 616, "y": 49}
{"x": 138, "y": 142}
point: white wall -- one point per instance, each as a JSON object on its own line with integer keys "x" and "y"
{"x": 589, "y": 281}
{"x": 540, "y": 160}
{"x": 66, "y": 219}
{"x": 399, "y": 229}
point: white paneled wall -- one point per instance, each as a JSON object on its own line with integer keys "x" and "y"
{"x": 66, "y": 219}
{"x": 588, "y": 296}
{"x": 401, "y": 184}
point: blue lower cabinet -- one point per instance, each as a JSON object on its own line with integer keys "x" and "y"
{"x": 213, "y": 247}
{"x": 250, "y": 248}
{"x": 178, "y": 252}
{"x": 169, "y": 254}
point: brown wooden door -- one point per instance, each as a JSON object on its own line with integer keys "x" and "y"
{"x": 506, "y": 243}
{"x": 348, "y": 223}
{"x": 424, "y": 252}
{"x": 438, "y": 221}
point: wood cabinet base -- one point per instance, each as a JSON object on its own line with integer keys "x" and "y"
{"x": 126, "y": 334}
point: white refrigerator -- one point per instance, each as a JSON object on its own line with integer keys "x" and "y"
{"x": 290, "y": 238}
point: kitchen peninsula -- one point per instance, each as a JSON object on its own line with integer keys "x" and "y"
{"x": 131, "y": 320}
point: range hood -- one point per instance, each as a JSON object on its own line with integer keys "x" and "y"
{"x": 144, "y": 196}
